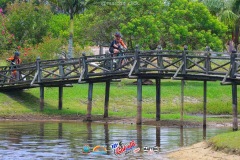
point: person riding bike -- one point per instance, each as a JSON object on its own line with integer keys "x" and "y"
{"x": 117, "y": 45}
{"x": 15, "y": 60}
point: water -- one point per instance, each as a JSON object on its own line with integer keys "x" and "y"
{"x": 61, "y": 141}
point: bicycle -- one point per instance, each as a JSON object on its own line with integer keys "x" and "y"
{"x": 15, "y": 75}
{"x": 119, "y": 62}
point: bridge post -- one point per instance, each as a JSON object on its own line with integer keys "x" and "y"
{"x": 106, "y": 132}
{"x": 184, "y": 62}
{"x": 158, "y": 136}
{"x": 60, "y": 130}
{"x": 41, "y": 98}
{"x": 207, "y": 61}
{"x": 137, "y": 59}
{"x": 234, "y": 106}
{"x": 139, "y": 136}
{"x": 60, "y": 95}
{"x": 158, "y": 99}
{"x": 60, "y": 89}
{"x": 234, "y": 93}
{"x": 41, "y": 86}
{"x": 61, "y": 70}
{"x": 184, "y": 59}
{"x": 38, "y": 69}
{"x": 204, "y": 104}
{"x": 160, "y": 59}
{"x": 139, "y": 101}
{"x": 106, "y": 103}
{"x": 89, "y": 106}
{"x": 85, "y": 65}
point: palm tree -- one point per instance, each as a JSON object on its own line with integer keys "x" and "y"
{"x": 72, "y": 7}
{"x": 228, "y": 11}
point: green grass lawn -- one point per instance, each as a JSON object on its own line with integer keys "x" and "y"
{"x": 123, "y": 99}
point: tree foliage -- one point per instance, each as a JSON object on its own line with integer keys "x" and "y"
{"x": 150, "y": 23}
{"x": 7, "y": 40}
{"x": 72, "y": 7}
{"x": 28, "y": 22}
{"x": 192, "y": 24}
{"x": 59, "y": 26}
{"x": 229, "y": 13}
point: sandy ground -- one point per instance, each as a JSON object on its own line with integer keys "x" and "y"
{"x": 199, "y": 151}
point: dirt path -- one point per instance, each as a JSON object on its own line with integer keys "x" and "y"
{"x": 200, "y": 151}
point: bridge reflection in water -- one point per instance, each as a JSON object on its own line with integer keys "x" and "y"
{"x": 65, "y": 140}
{"x": 154, "y": 64}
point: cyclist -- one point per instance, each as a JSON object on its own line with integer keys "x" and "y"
{"x": 15, "y": 60}
{"x": 117, "y": 45}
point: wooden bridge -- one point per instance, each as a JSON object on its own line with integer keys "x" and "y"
{"x": 153, "y": 64}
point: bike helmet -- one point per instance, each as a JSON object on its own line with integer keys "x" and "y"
{"x": 117, "y": 34}
{"x": 17, "y": 53}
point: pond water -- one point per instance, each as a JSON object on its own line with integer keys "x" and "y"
{"x": 76, "y": 140}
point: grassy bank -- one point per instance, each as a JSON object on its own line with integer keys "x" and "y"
{"x": 123, "y": 100}
{"x": 227, "y": 142}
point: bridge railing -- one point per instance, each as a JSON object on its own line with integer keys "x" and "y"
{"x": 57, "y": 70}
{"x": 180, "y": 63}
{"x": 106, "y": 65}
{"x": 153, "y": 63}
{"x": 17, "y": 74}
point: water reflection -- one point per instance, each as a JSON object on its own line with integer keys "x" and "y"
{"x": 158, "y": 135}
{"x": 45, "y": 140}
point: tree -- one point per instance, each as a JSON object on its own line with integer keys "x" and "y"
{"x": 138, "y": 21}
{"x": 171, "y": 23}
{"x": 192, "y": 24}
{"x": 59, "y": 25}
{"x": 72, "y": 7}
{"x": 229, "y": 13}
{"x": 7, "y": 40}
{"x": 28, "y": 22}
{"x": 3, "y": 4}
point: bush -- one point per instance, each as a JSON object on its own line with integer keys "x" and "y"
{"x": 48, "y": 49}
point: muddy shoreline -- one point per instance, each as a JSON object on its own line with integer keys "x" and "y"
{"x": 100, "y": 119}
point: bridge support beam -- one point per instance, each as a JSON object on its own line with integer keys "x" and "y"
{"x": 139, "y": 101}
{"x": 158, "y": 99}
{"x": 204, "y": 104}
{"x": 89, "y": 106}
{"x": 234, "y": 107}
{"x": 60, "y": 130}
{"x": 158, "y": 136}
{"x": 106, "y": 103}
{"x": 106, "y": 132}
{"x": 139, "y": 136}
{"x": 182, "y": 99}
{"x": 60, "y": 96}
{"x": 41, "y": 98}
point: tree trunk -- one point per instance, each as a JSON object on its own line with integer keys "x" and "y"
{"x": 70, "y": 45}
{"x": 236, "y": 35}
